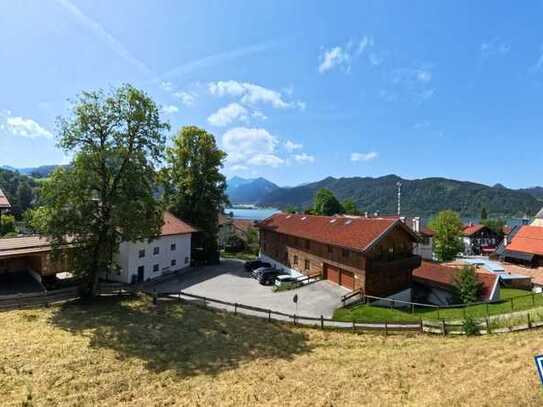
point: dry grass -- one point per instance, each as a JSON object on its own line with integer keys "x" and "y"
{"x": 130, "y": 353}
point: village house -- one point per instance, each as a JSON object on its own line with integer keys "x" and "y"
{"x": 234, "y": 231}
{"x": 136, "y": 261}
{"x": 480, "y": 240}
{"x": 374, "y": 255}
{"x": 525, "y": 246}
{"x": 434, "y": 283}
{"x": 4, "y": 203}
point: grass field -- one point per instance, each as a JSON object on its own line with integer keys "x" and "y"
{"x": 131, "y": 353}
{"x": 522, "y": 300}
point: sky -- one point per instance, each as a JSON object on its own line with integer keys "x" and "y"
{"x": 293, "y": 91}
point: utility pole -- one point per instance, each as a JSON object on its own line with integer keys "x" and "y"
{"x": 399, "y": 185}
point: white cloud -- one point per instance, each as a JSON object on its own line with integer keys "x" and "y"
{"x": 342, "y": 56}
{"x": 166, "y": 86}
{"x": 226, "y": 115}
{"x": 265, "y": 160}
{"x": 186, "y": 98}
{"x": 364, "y": 156}
{"x": 250, "y": 146}
{"x": 304, "y": 158}
{"x": 333, "y": 57}
{"x": 259, "y": 115}
{"x": 239, "y": 167}
{"x": 250, "y": 94}
{"x": 290, "y": 146}
{"x": 415, "y": 83}
{"x": 170, "y": 109}
{"x": 22, "y": 127}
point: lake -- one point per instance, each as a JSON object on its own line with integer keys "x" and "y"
{"x": 252, "y": 213}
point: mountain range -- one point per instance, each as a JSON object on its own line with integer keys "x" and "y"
{"x": 419, "y": 197}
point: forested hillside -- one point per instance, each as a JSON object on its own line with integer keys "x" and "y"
{"x": 422, "y": 197}
{"x": 19, "y": 189}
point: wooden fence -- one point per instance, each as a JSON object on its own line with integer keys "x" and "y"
{"x": 269, "y": 314}
{"x": 44, "y": 299}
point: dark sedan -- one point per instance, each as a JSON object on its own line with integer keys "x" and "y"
{"x": 255, "y": 264}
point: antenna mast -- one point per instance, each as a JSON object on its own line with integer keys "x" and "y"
{"x": 399, "y": 185}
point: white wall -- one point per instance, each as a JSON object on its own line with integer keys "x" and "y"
{"x": 129, "y": 261}
{"x": 280, "y": 266}
{"x": 424, "y": 250}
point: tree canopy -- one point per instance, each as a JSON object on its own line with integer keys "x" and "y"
{"x": 107, "y": 195}
{"x": 349, "y": 207}
{"x": 194, "y": 186}
{"x": 326, "y": 203}
{"x": 448, "y": 232}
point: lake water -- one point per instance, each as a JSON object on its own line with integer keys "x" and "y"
{"x": 252, "y": 213}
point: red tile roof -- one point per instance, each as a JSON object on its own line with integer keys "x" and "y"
{"x": 529, "y": 239}
{"x": 356, "y": 233}
{"x": 470, "y": 230}
{"x": 243, "y": 224}
{"x": 175, "y": 226}
{"x": 4, "y": 203}
{"x": 438, "y": 275}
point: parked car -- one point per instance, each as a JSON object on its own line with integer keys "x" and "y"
{"x": 268, "y": 277}
{"x": 287, "y": 278}
{"x": 253, "y": 265}
{"x": 256, "y": 273}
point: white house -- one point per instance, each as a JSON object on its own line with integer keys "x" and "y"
{"x": 145, "y": 260}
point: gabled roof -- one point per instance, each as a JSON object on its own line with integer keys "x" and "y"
{"x": 529, "y": 239}
{"x": 175, "y": 226}
{"x": 4, "y": 203}
{"x": 470, "y": 230}
{"x": 356, "y": 233}
{"x": 440, "y": 276}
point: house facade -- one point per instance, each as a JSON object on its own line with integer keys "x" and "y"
{"x": 526, "y": 247}
{"x": 480, "y": 240}
{"x": 374, "y": 255}
{"x": 135, "y": 261}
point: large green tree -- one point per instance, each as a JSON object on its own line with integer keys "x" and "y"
{"x": 325, "y": 203}
{"x": 448, "y": 232}
{"x": 195, "y": 188}
{"x": 107, "y": 195}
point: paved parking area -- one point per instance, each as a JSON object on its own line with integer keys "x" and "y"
{"x": 229, "y": 282}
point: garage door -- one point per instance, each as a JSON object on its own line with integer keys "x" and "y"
{"x": 342, "y": 277}
{"x": 332, "y": 274}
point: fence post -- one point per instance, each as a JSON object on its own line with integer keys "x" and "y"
{"x": 155, "y": 300}
{"x": 487, "y": 325}
{"x": 354, "y": 325}
{"x": 235, "y": 308}
{"x": 443, "y": 327}
{"x": 511, "y": 300}
{"x": 487, "y": 309}
{"x": 269, "y": 315}
{"x": 322, "y": 322}
{"x": 294, "y": 318}
{"x": 421, "y": 326}
{"x": 529, "y": 321}
{"x": 386, "y": 328}
{"x": 205, "y": 302}
{"x": 180, "y": 295}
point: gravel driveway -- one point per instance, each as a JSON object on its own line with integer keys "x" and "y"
{"x": 229, "y": 282}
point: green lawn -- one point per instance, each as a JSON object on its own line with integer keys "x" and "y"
{"x": 247, "y": 256}
{"x": 512, "y": 300}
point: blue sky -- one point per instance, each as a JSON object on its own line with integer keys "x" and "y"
{"x": 294, "y": 91}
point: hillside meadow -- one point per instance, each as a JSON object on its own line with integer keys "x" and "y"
{"x": 127, "y": 352}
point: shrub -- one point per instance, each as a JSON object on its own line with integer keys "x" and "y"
{"x": 467, "y": 287}
{"x": 471, "y": 326}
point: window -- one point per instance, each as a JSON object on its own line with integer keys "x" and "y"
{"x": 141, "y": 253}
{"x": 172, "y": 247}
{"x": 345, "y": 253}
{"x": 156, "y": 251}
{"x": 173, "y": 262}
{"x": 155, "y": 268}
{"x": 295, "y": 260}
{"x": 306, "y": 265}
{"x": 307, "y": 244}
{"x": 186, "y": 260}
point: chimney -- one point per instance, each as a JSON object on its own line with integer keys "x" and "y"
{"x": 376, "y": 214}
{"x": 416, "y": 224}
{"x": 366, "y": 214}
